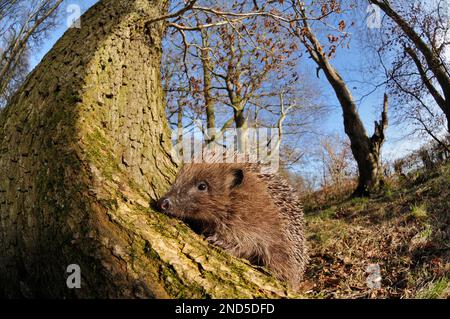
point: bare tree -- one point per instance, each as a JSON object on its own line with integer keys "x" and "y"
{"x": 23, "y": 24}
{"x": 293, "y": 17}
{"x": 419, "y": 34}
{"x": 238, "y": 70}
{"x": 365, "y": 149}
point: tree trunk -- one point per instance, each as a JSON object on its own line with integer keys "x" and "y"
{"x": 207, "y": 84}
{"x": 365, "y": 153}
{"x": 180, "y": 126}
{"x": 376, "y": 142}
{"x": 241, "y": 129}
{"x": 84, "y": 148}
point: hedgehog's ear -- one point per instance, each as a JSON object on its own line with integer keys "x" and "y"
{"x": 237, "y": 177}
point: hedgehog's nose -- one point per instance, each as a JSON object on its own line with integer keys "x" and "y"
{"x": 164, "y": 204}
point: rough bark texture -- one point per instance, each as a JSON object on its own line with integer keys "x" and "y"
{"x": 378, "y": 138}
{"x": 84, "y": 148}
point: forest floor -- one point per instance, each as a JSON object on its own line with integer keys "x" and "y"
{"x": 405, "y": 231}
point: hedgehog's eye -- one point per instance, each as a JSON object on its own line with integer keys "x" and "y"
{"x": 202, "y": 186}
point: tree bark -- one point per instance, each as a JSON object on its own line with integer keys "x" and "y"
{"x": 84, "y": 148}
{"x": 378, "y": 138}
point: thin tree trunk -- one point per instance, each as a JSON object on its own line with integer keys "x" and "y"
{"x": 180, "y": 127}
{"x": 241, "y": 126}
{"x": 207, "y": 84}
{"x": 84, "y": 148}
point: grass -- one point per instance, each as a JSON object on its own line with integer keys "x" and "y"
{"x": 419, "y": 211}
{"x": 404, "y": 231}
{"x": 435, "y": 290}
{"x": 327, "y": 213}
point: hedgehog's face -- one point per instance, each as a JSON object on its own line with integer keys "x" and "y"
{"x": 202, "y": 192}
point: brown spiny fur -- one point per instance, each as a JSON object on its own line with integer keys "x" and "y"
{"x": 252, "y": 215}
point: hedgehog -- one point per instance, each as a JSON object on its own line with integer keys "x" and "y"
{"x": 252, "y": 215}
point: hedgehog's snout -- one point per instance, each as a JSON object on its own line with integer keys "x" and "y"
{"x": 164, "y": 204}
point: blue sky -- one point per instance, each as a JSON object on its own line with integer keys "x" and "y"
{"x": 348, "y": 62}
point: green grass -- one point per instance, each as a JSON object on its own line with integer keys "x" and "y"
{"x": 327, "y": 213}
{"x": 435, "y": 290}
{"x": 388, "y": 189}
{"x": 359, "y": 200}
{"x": 419, "y": 211}
{"x": 426, "y": 233}
{"x": 359, "y": 203}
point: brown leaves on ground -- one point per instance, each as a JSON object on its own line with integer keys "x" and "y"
{"x": 405, "y": 232}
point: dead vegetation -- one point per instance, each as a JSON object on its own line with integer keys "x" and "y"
{"x": 405, "y": 230}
